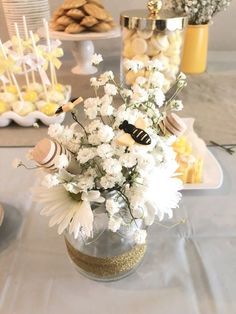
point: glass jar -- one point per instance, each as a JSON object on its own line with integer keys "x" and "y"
{"x": 152, "y": 35}
{"x": 107, "y": 256}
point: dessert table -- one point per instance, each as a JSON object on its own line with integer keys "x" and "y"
{"x": 190, "y": 265}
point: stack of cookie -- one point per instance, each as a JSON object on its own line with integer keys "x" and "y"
{"x": 77, "y": 16}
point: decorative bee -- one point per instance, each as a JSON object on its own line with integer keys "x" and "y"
{"x": 69, "y": 106}
{"x": 134, "y": 133}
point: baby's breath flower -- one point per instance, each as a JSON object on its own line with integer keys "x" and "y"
{"x": 199, "y": 12}
{"x": 97, "y": 58}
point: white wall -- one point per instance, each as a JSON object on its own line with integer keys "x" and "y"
{"x": 222, "y": 32}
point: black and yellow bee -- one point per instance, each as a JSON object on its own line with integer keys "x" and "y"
{"x": 134, "y": 133}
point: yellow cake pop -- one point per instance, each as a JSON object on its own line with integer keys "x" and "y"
{"x": 59, "y": 88}
{"x": 49, "y": 109}
{"x": 4, "y": 107}
{"x": 30, "y": 95}
{"x": 11, "y": 89}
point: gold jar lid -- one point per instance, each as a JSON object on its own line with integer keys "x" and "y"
{"x": 154, "y": 18}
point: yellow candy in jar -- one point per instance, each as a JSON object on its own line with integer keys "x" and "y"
{"x": 128, "y": 51}
{"x": 59, "y": 88}
{"x": 131, "y": 76}
{"x": 11, "y": 89}
{"x": 49, "y": 109}
{"x": 31, "y": 96}
{"x": 4, "y": 107}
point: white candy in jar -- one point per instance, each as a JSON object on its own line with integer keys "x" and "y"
{"x": 145, "y": 34}
{"x": 163, "y": 59}
{"x": 160, "y": 42}
{"x": 128, "y": 51}
{"x": 148, "y": 37}
{"x": 139, "y": 46}
{"x": 143, "y": 58}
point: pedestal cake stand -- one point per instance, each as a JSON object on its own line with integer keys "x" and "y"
{"x": 83, "y": 47}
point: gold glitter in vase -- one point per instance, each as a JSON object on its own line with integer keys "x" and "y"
{"x": 105, "y": 267}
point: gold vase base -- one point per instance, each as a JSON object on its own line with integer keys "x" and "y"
{"x": 109, "y": 268}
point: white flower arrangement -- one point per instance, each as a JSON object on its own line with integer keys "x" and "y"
{"x": 199, "y": 11}
{"x": 101, "y": 157}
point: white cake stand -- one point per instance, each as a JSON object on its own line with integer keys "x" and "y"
{"x": 83, "y": 47}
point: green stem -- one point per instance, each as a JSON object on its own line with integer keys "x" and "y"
{"x": 81, "y": 125}
{"x": 125, "y": 198}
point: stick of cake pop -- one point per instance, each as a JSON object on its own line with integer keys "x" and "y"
{"x": 12, "y": 75}
{"x": 27, "y": 38}
{"x": 52, "y": 69}
{"x": 2, "y": 79}
{"x": 21, "y": 53}
{"x": 5, "y": 57}
{"x": 37, "y": 57}
{"x": 17, "y": 88}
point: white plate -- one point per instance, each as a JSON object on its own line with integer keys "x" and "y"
{"x": 113, "y": 33}
{"x": 212, "y": 171}
{"x": 31, "y": 118}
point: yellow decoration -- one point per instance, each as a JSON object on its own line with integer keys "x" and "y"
{"x": 31, "y": 96}
{"x": 59, "y": 88}
{"x": 52, "y": 57}
{"x": 194, "y": 58}
{"x": 190, "y": 168}
{"x": 26, "y": 44}
{"x": 4, "y": 107}
{"x": 11, "y": 89}
{"x": 49, "y": 109}
{"x": 8, "y": 64}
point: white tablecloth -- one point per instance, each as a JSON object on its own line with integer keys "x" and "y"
{"x": 188, "y": 269}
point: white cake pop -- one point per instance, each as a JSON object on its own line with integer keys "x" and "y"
{"x": 23, "y": 108}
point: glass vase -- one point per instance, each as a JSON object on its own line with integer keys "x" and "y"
{"x": 148, "y": 38}
{"x": 107, "y": 255}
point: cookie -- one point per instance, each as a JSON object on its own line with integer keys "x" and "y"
{"x": 173, "y": 124}
{"x": 76, "y": 14}
{"x": 74, "y": 28}
{"x": 57, "y": 27}
{"x": 64, "y": 20}
{"x": 59, "y": 12}
{"x": 112, "y": 24}
{"x": 73, "y": 4}
{"x": 89, "y": 21}
{"x": 94, "y": 10}
{"x": 97, "y": 2}
{"x": 102, "y": 27}
{"x": 109, "y": 19}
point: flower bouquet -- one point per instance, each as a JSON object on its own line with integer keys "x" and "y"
{"x": 105, "y": 183}
{"x": 200, "y": 15}
{"x": 199, "y": 12}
